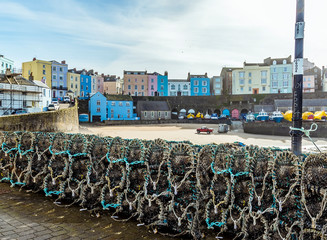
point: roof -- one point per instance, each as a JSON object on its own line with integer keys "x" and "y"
{"x": 306, "y": 102}
{"x": 152, "y": 106}
{"x": 14, "y": 79}
{"x": 269, "y": 61}
{"x": 40, "y": 84}
{"x": 178, "y": 80}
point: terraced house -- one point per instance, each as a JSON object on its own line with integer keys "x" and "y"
{"x": 179, "y": 87}
{"x": 74, "y": 82}
{"x": 200, "y": 85}
{"x": 39, "y": 70}
{"x": 5, "y": 64}
{"x": 136, "y": 83}
{"x": 253, "y": 78}
{"x": 162, "y": 86}
{"x": 59, "y": 79}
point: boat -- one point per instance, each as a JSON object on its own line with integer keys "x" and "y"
{"x": 249, "y": 117}
{"x": 277, "y": 116}
{"x": 190, "y": 116}
{"x": 288, "y": 115}
{"x": 214, "y": 116}
{"x": 320, "y": 115}
{"x": 199, "y": 115}
{"x": 262, "y": 116}
{"x": 307, "y": 116}
{"x": 207, "y": 116}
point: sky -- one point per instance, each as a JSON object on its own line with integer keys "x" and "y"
{"x": 178, "y": 36}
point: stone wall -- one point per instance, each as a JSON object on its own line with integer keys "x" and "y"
{"x": 283, "y": 128}
{"x": 62, "y": 120}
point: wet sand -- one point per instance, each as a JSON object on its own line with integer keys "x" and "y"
{"x": 187, "y": 132}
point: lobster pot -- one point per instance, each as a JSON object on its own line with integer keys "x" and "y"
{"x": 222, "y": 128}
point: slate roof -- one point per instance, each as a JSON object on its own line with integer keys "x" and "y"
{"x": 266, "y": 108}
{"x": 306, "y": 102}
{"x": 152, "y": 106}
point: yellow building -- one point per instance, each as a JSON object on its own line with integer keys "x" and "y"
{"x": 39, "y": 69}
{"x": 253, "y": 78}
{"x": 74, "y": 82}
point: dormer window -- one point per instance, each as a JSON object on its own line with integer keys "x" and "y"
{"x": 274, "y": 62}
{"x": 284, "y": 61}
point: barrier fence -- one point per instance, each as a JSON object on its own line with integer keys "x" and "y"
{"x": 175, "y": 188}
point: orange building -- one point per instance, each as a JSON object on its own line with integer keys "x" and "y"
{"x": 135, "y": 83}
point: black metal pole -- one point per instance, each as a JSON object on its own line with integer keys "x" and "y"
{"x": 298, "y": 79}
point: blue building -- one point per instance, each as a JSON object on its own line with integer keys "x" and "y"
{"x": 59, "y": 79}
{"x": 200, "y": 85}
{"x": 100, "y": 109}
{"x": 86, "y": 84}
{"x": 162, "y": 84}
{"x": 120, "y": 110}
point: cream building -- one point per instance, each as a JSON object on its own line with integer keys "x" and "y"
{"x": 253, "y": 78}
{"x": 74, "y": 82}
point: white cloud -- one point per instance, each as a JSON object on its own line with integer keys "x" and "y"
{"x": 181, "y": 36}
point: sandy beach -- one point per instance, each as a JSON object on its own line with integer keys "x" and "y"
{"x": 187, "y": 132}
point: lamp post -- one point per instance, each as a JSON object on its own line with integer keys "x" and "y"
{"x": 298, "y": 79}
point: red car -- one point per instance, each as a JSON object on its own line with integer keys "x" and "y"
{"x": 204, "y": 129}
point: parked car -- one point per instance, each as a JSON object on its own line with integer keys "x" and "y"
{"x": 53, "y": 107}
{"x": 204, "y": 129}
{"x": 66, "y": 99}
{"x": 19, "y": 111}
{"x": 55, "y": 102}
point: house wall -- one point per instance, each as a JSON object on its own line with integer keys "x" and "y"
{"x": 74, "y": 83}
{"x": 110, "y": 87}
{"x": 162, "y": 82}
{"x": 152, "y": 84}
{"x": 59, "y": 80}
{"x": 200, "y": 86}
{"x": 5, "y": 63}
{"x": 100, "y": 80}
{"x": 136, "y": 83}
{"x": 216, "y": 86}
{"x": 155, "y": 115}
{"x": 175, "y": 86}
{"x": 249, "y": 79}
{"x": 309, "y": 83}
{"x": 40, "y": 69}
{"x": 120, "y": 110}
{"x": 85, "y": 85}
{"x": 97, "y": 106}
{"x": 281, "y": 78}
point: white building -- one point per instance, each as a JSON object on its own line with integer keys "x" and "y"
{"x": 5, "y": 64}
{"x": 179, "y": 87}
{"x": 18, "y": 93}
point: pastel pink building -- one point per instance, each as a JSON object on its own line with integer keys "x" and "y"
{"x": 152, "y": 83}
{"x": 308, "y": 83}
{"x": 100, "y": 79}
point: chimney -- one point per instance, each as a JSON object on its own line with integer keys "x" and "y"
{"x": 102, "y": 74}
{"x": 166, "y": 73}
{"x": 74, "y": 69}
{"x": 31, "y": 78}
{"x": 206, "y": 75}
{"x": 63, "y": 62}
{"x": 34, "y": 59}
{"x": 96, "y": 73}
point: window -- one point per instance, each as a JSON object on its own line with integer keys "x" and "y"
{"x": 285, "y": 83}
{"x": 120, "y": 104}
{"x": 263, "y": 89}
{"x": 54, "y": 77}
{"x": 285, "y": 69}
{"x": 128, "y": 104}
{"x": 285, "y": 76}
{"x": 152, "y": 114}
{"x": 142, "y": 87}
{"x": 162, "y": 81}
{"x": 113, "y": 104}
{"x": 274, "y": 62}
{"x": 241, "y": 89}
{"x": 43, "y": 71}
{"x": 142, "y": 80}
{"x": 303, "y": 79}
{"x": 250, "y": 89}
{"x": 173, "y": 87}
{"x": 54, "y": 68}
{"x": 196, "y": 90}
{"x": 98, "y": 110}
{"x": 204, "y": 83}
{"x": 75, "y": 78}
{"x": 274, "y": 76}
{"x": 144, "y": 114}
{"x": 250, "y": 81}
{"x": 60, "y": 69}
{"x": 61, "y": 77}
{"x": 159, "y": 114}
{"x": 250, "y": 74}
{"x": 152, "y": 87}
{"x": 129, "y": 87}
{"x": 112, "y": 111}
{"x": 129, "y": 80}
{"x": 43, "y": 67}
{"x": 128, "y": 110}
{"x": 264, "y": 81}
{"x": 309, "y": 84}
{"x": 135, "y": 87}
{"x": 24, "y": 104}
{"x": 204, "y": 90}
{"x": 152, "y": 80}
{"x": 274, "y": 69}
{"x": 166, "y": 114}
{"x": 263, "y": 74}
{"x": 241, "y": 74}
{"x": 161, "y": 88}
{"x": 71, "y": 85}
{"x": 241, "y": 81}
{"x": 284, "y": 61}
{"x": 76, "y": 86}
{"x": 185, "y": 87}
{"x": 274, "y": 84}
{"x": 86, "y": 88}
{"x": 112, "y": 116}
{"x": 196, "y": 83}
{"x": 98, "y": 102}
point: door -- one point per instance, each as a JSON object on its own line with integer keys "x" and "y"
{"x": 255, "y": 90}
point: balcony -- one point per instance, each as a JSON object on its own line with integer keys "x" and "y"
{"x": 59, "y": 88}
